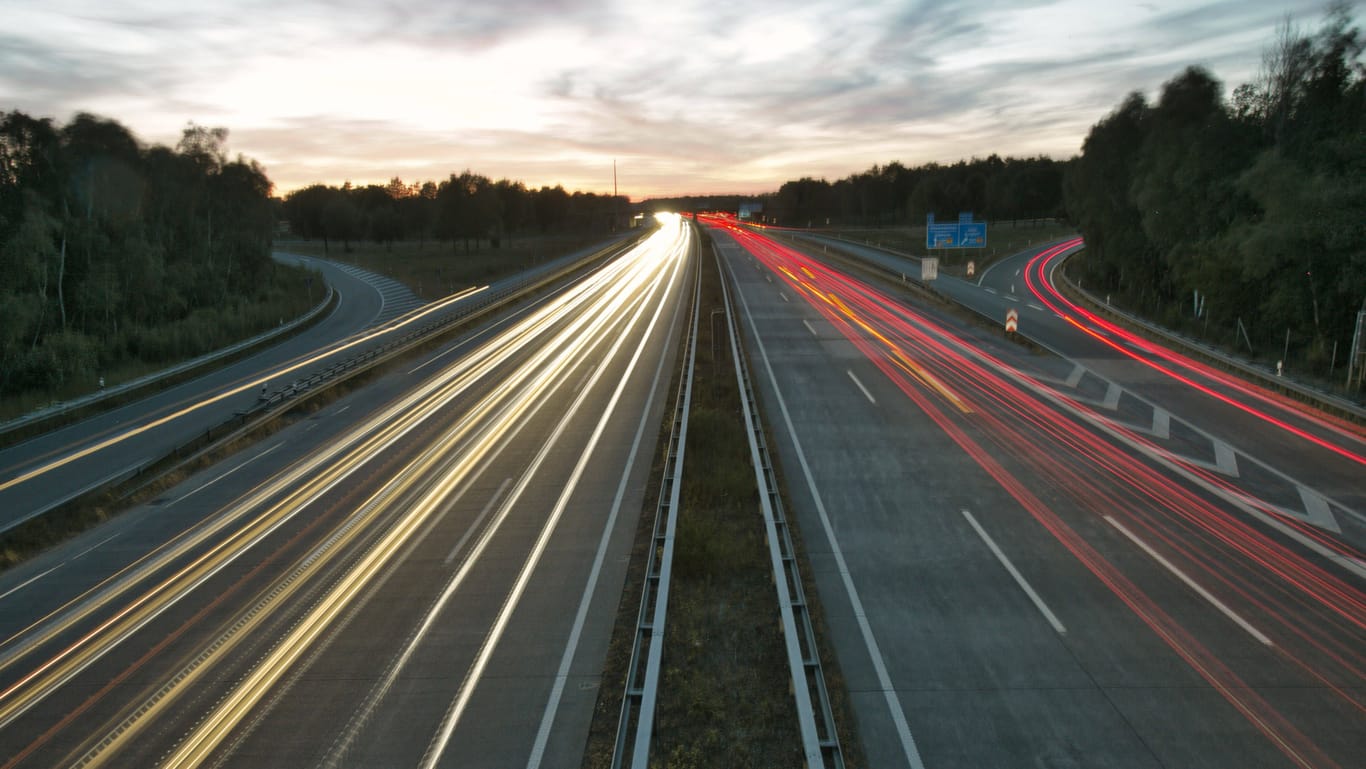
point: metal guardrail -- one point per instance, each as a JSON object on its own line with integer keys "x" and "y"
{"x": 127, "y": 483}
{"x": 484, "y": 302}
{"x": 1324, "y": 400}
{"x": 635, "y": 725}
{"x": 820, "y": 740}
{"x": 148, "y": 380}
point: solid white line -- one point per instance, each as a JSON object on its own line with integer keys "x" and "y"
{"x": 810, "y": 328}
{"x": 450, "y": 557}
{"x": 462, "y": 344}
{"x": 1243, "y": 501}
{"x": 1220, "y": 605}
{"x": 552, "y": 705}
{"x": 244, "y": 463}
{"x": 29, "y": 581}
{"x": 866, "y": 394}
{"x": 91, "y": 549}
{"x": 35, "y": 578}
{"x": 1019, "y": 578}
{"x": 439, "y": 742}
{"x": 865, "y": 628}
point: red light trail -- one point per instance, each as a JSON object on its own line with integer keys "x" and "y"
{"x": 1039, "y": 283}
{"x": 1014, "y": 429}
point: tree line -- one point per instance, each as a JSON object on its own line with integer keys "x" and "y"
{"x": 994, "y": 188}
{"x": 464, "y": 208}
{"x": 111, "y": 250}
{"x": 1247, "y": 210}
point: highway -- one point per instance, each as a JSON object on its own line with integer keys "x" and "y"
{"x": 1279, "y": 456}
{"x": 1022, "y": 566}
{"x": 45, "y": 471}
{"x": 432, "y": 555}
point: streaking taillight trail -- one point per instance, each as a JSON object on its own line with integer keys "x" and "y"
{"x": 1041, "y": 286}
{"x": 1026, "y": 438}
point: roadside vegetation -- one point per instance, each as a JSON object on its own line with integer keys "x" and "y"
{"x": 1240, "y": 219}
{"x": 117, "y": 259}
{"x": 433, "y": 272}
{"x": 459, "y": 213}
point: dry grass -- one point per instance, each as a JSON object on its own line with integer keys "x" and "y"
{"x": 434, "y": 269}
{"x": 725, "y": 698}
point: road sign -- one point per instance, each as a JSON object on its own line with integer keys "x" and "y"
{"x": 972, "y": 234}
{"x": 929, "y": 269}
{"x": 972, "y": 268}
{"x": 1012, "y": 321}
{"x": 965, "y": 233}
{"x": 940, "y": 235}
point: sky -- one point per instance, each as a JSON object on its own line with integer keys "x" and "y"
{"x": 685, "y": 96}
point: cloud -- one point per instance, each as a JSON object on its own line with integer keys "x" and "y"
{"x": 690, "y": 95}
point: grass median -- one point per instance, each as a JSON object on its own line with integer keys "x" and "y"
{"x": 725, "y": 696}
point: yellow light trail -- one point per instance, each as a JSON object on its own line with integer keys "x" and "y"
{"x": 116, "y": 439}
{"x": 590, "y": 311}
{"x": 199, "y": 746}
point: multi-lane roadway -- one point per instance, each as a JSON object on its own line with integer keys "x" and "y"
{"x": 43, "y": 472}
{"x": 1048, "y": 559}
{"x": 423, "y": 574}
{"x": 1099, "y": 555}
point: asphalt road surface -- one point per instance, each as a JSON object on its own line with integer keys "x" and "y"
{"x": 1292, "y": 460}
{"x": 423, "y": 574}
{"x": 1017, "y": 569}
{"x": 45, "y": 471}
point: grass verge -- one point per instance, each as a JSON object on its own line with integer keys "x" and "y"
{"x": 139, "y": 350}
{"x": 434, "y": 269}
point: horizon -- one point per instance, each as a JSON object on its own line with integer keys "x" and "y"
{"x": 692, "y": 100}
